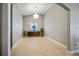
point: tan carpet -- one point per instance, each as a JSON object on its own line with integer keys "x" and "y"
{"x": 38, "y": 46}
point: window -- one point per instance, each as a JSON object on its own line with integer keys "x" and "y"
{"x": 33, "y": 26}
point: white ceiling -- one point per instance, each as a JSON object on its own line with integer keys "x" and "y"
{"x": 29, "y": 8}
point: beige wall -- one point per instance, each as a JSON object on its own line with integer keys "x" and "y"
{"x": 56, "y": 23}
{"x": 29, "y": 19}
{"x": 17, "y": 24}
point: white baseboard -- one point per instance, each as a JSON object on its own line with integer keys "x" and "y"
{"x": 56, "y": 42}
{"x": 16, "y": 43}
{"x": 74, "y": 51}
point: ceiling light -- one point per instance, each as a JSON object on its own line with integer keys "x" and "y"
{"x": 35, "y": 16}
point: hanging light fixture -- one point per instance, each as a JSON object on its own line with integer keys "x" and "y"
{"x": 35, "y": 15}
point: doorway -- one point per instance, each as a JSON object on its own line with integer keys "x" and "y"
{"x": 57, "y": 28}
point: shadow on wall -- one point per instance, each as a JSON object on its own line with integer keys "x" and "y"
{"x": 0, "y": 29}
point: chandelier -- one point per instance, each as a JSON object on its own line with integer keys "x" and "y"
{"x": 35, "y": 15}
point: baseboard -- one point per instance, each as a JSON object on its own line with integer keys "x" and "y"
{"x": 16, "y": 43}
{"x": 56, "y": 42}
{"x": 74, "y": 51}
